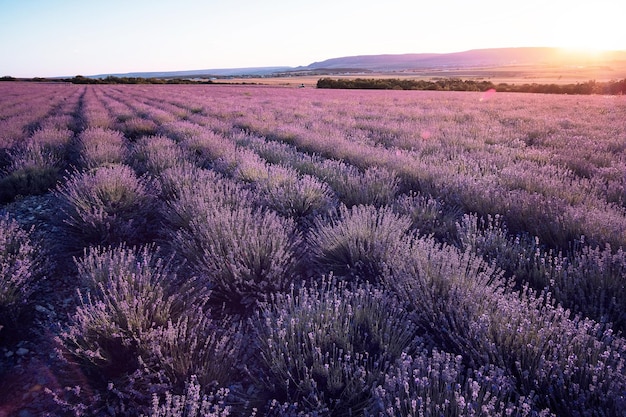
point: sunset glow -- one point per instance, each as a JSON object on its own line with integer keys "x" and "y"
{"x": 66, "y": 37}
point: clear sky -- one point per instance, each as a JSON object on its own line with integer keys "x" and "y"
{"x": 87, "y": 37}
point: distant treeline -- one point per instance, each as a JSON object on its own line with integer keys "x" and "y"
{"x": 455, "y": 84}
{"x": 79, "y": 79}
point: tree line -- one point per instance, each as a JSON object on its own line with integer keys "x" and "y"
{"x": 80, "y": 79}
{"x": 455, "y": 84}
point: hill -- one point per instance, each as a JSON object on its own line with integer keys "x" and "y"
{"x": 474, "y": 58}
{"x": 202, "y": 73}
{"x": 518, "y": 60}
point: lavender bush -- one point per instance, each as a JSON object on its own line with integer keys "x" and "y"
{"x": 109, "y": 205}
{"x": 34, "y": 167}
{"x": 194, "y": 192}
{"x": 292, "y": 195}
{"x": 447, "y": 290}
{"x": 20, "y": 267}
{"x": 126, "y": 299}
{"x": 136, "y": 127}
{"x": 591, "y": 280}
{"x": 244, "y": 254}
{"x": 99, "y": 146}
{"x": 429, "y": 216}
{"x": 438, "y": 384}
{"x": 154, "y": 154}
{"x": 250, "y": 168}
{"x": 185, "y": 177}
{"x": 139, "y": 330}
{"x": 375, "y": 186}
{"x": 32, "y": 171}
{"x": 192, "y": 403}
{"x": 54, "y": 139}
{"x": 197, "y": 345}
{"x": 208, "y": 149}
{"x": 585, "y": 279}
{"x": 357, "y": 242}
{"x": 182, "y": 130}
{"x": 325, "y": 347}
{"x": 573, "y": 365}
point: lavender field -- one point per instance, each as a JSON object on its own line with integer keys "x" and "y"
{"x": 264, "y": 251}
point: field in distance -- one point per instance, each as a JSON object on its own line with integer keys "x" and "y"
{"x": 505, "y": 65}
{"x": 510, "y": 74}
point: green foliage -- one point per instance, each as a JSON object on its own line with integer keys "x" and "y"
{"x": 451, "y": 84}
{"x": 79, "y": 79}
{"x": 455, "y": 84}
{"x": 589, "y": 87}
{"x": 27, "y": 181}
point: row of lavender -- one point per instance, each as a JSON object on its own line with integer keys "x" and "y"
{"x": 205, "y": 220}
{"x": 36, "y": 125}
{"x": 532, "y": 189}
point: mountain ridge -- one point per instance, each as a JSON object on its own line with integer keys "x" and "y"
{"x": 471, "y": 58}
{"x": 474, "y": 58}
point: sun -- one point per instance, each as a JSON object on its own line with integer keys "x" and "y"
{"x": 590, "y": 39}
{"x": 589, "y": 30}
{"x": 585, "y": 52}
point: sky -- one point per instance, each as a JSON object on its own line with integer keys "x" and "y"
{"x": 48, "y": 38}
